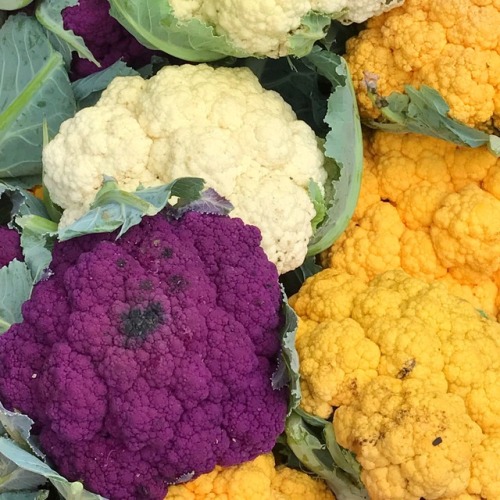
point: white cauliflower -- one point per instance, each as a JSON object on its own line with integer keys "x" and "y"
{"x": 218, "y": 124}
{"x": 267, "y": 27}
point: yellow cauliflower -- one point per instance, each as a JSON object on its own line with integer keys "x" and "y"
{"x": 430, "y": 208}
{"x": 412, "y": 374}
{"x": 256, "y": 480}
{"x": 450, "y": 45}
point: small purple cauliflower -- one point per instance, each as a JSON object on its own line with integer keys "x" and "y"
{"x": 10, "y": 246}
{"x": 104, "y": 36}
{"x": 149, "y": 358}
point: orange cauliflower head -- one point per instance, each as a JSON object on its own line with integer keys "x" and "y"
{"x": 255, "y": 480}
{"x": 450, "y": 45}
{"x": 411, "y": 374}
{"x": 430, "y": 208}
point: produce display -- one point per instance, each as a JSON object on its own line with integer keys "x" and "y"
{"x": 249, "y": 250}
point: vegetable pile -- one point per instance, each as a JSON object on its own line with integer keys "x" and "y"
{"x": 249, "y": 250}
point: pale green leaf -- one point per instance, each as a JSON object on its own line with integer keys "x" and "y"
{"x": 34, "y": 87}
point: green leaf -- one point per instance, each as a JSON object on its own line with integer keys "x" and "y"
{"x": 16, "y": 284}
{"x": 17, "y": 427}
{"x": 28, "y": 462}
{"x": 314, "y": 26}
{"x": 287, "y": 372}
{"x": 34, "y": 87}
{"x": 318, "y": 200}
{"x": 49, "y": 15}
{"x": 306, "y": 435}
{"x": 343, "y": 146}
{"x": 15, "y": 479}
{"x": 88, "y": 90}
{"x": 25, "y": 495}
{"x": 114, "y": 208}
{"x": 37, "y": 238}
{"x": 424, "y": 111}
{"x": 14, "y": 4}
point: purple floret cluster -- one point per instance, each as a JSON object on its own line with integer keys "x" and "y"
{"x": 104, "y": 36}
{"x": 149, "y": 358}
{"x": 10, "y": 246}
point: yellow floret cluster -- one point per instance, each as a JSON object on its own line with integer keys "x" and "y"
{"x": 430, "y": 208}
{"x": 255, "y": 480}
{"x": 412, "y": 374}
{"x": 450, "y": 45}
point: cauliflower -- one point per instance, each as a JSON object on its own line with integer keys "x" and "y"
{"x": 147, "y": 359}
{"x": 412, "y": 376}
{"x": 10, "y": 246}
{"x": 255, "y": 480}
{"x": 218, "y": 124}
{"x": 106, "y": 39}
{"x": 450, "y": 45}
{"x": 267, "y": 28}
{"x": 430, "y": 208}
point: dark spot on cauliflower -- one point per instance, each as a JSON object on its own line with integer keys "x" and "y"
{"x": 167, "y": 252}
{"x": 139, "y": 323}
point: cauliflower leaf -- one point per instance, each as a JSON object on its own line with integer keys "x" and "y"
{"x": 343, "y": 145}
{"x": 34, "y": 87}
{"x": 38, "y": 469}
{"x": 49, "y": 15}
{"x": 424, "y": 111}
{"x": 16, "y": 284}
{"x": 312, "y": 441}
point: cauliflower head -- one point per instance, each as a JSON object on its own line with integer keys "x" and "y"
{"x": 10, "y": 246}
{"x": 149, "y": 358}
{"x": 452, "y": 46}
{"x": 430, "y": 208}
{"x": 411, "y": 374}
{"x": 259, "y": 479}
{"x": 275, "y": 28}
{"x": 218, "y": 124}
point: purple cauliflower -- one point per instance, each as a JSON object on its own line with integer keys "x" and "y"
{"x": 104, "y": 36}
{"x": 10, "y": 246}
{"x": 149, "y": 358}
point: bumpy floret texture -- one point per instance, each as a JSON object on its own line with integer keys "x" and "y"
{"x": 450, "y": 45}
{"x": 10, "y": 246}
{"x": 264, "y": 27}
{"x": 430, "y": 208}
{"x": 150, "y": 357}
{"x": 413, "y": 375}
{"x": 255, "y": 480}
{"x": 218, "y": 124}
{"x": 104, "y": 37}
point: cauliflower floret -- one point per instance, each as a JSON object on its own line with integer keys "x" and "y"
{"x": 218, "y": 124}
{"x": 430, "y": 208}
{"x": 255, "y": 480}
